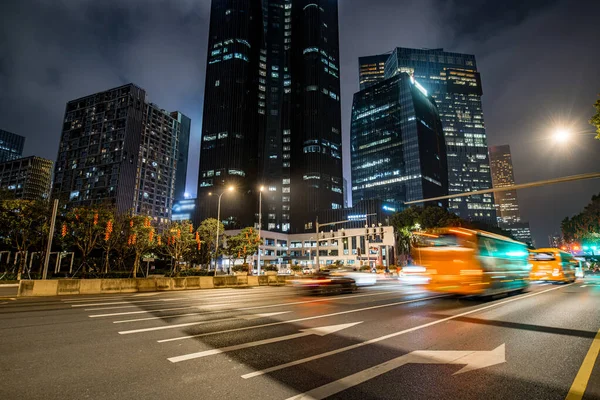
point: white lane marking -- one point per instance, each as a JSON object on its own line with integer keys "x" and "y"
{"x": 192, "y": 294}
{"x": 391, "y": 335}
{"x": 229, "y": 310}
{"x": 320, "y": 331}
{"x": 473, "y": 360}
{"x": 124, "y": 302}
{"x": 182, "y": 300}
{"x": 160, "y": 328}
{"x": 235, "y": 309}
{"x": 303, "y": 319}
{"x": 179, "y": 294}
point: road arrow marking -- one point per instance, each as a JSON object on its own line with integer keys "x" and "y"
{"x": 391, "y": 335}
{"x": 473, "y": 360}
{"x": 320, "y": 331}
{"x": 160, "y": 328}
{"x": 291, "y": 321}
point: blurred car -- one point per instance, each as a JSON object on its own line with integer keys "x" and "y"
{"x": 360, "y": 278}
{"x": 307, "y": 271}
{"x": 324, "y": 282}
{"x": 413, "y": 275}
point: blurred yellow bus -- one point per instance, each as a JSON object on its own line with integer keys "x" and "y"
{"x": 471, "y": 262}
{"x": 552, "y": 265}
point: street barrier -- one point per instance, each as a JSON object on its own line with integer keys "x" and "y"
{"x": 61, "y": 287}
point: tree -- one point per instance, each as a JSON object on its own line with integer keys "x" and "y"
{"x": 178, "y": 241}
{"x": 246, "y": 243}
{"x": 140, "y": 238}
{"x": 24, "y": 224}
{"x": 595, "y": 121}
{"x": 84, "y": 228}
{"x": 208, "y": 231}
{"x": 585, "y": 226}
{"x": 115, "y": 239}
{"x": 415, "y": 218}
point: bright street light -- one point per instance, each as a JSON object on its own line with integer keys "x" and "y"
{"x": 562, "y": 135}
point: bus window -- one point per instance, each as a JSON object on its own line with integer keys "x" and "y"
{"x": 546, "y": 256}
{"x": 443, "y": 240}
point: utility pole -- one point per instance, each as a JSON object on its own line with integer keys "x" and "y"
{"x": 50, "y": 236}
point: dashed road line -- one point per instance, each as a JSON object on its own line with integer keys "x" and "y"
{"x": 303, "y": 319}
{"x": 160, "y": 328}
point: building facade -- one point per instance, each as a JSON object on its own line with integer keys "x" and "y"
{"x": 11, "y": 146}
{"x": 351, "y": 248}
{"x": 27, "y": 178}
{"x": 272, "y": 114}
{"x": 185, "y": 126}
{"x": 371, "y": 70}
{"x": 118, "y": 149}
{"x": 232, "y": 121}
{"x": 507, "y": 205}
{"x": 453, "y": 81}
{"x": 397, "y": 144}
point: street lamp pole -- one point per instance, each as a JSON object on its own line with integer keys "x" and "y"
{"x": 218, "y": 226}
{"x": 259, "y": 225}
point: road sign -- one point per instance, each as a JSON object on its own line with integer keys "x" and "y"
{"x": 473, "y": 360}
{"x": 320, "y": 331}
{"x": 148, "y": 259}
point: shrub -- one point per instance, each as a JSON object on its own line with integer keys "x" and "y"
{"x": 240, "y": 268}
{"x": 365, "y": 268}
{"x": 296, "y": 268}
{"x": 271, "y": 268}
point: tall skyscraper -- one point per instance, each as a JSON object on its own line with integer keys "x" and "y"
{"x": 185, "y": 125}
{"x": 232, "y": 122}
{"x": 507, "y": 206}
{"x": 11, "y": 146}
{"x": 119, "y": 149}
{"x": 27, "y": 178}
{"x": 397, "y": 143}
{"x": 272, "y": 113}
{"x": 453, "y": 81}
{"x": 371, "y": 70}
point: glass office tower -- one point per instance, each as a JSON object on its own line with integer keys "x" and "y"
{"x": 453, "y": 81}
{"x": 397, "y": 144}
{"x": 11, "y": 146}
{"x": 371, "y": 70}
{"x": 272, "y": 114}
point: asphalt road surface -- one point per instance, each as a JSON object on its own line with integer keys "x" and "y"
{"x": 382, "y": 342}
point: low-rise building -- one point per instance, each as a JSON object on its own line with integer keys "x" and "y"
{"x": 352, "y": 247}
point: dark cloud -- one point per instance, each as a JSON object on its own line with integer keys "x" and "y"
{"x": 539, "y": 61}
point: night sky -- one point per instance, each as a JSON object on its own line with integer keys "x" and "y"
{"x": 539, "y": 62}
